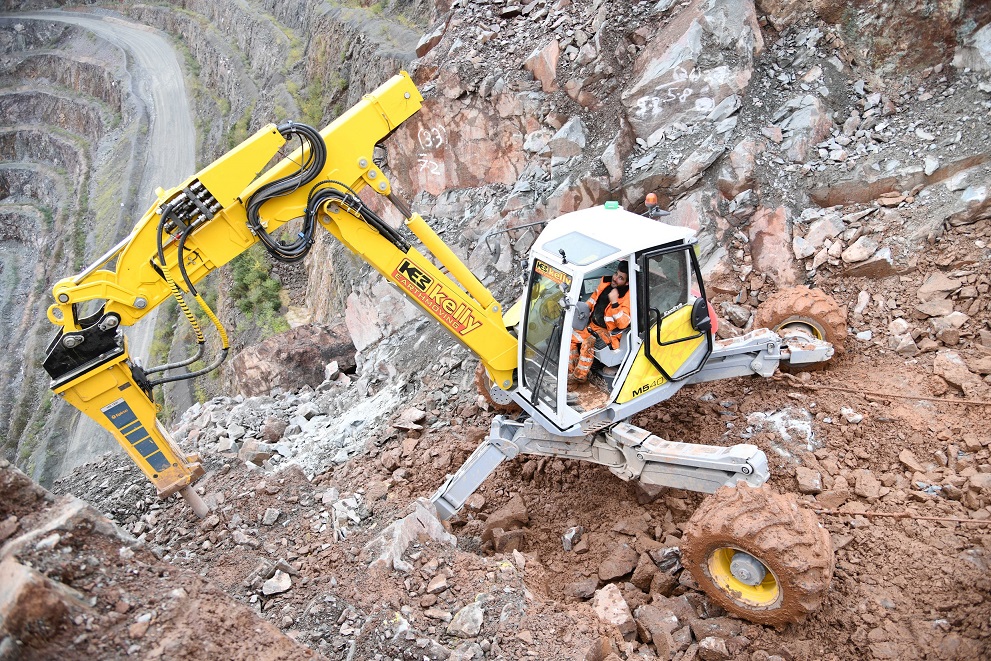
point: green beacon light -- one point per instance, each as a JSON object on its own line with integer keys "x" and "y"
{"x": 612, "y": 204}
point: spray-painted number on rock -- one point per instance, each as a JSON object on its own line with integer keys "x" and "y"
{"x": 676, "y": 91}
{"x": 427, "y": 165}
{"x": 432, "y": 138}
{"x": 653, "y": 105}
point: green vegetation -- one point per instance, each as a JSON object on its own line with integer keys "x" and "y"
{"x": 79, "y": 228}
{"x": 192, "y": 64}
{"x": 200, "y": 393}
{"x": 311, "y": 105}
{"x": 256, "y": 292}
{"x": 295, "y": 43}
{"x": 48, "y": 217}
{"x": 378, "y": 8}
{"x": 21, "y": 416}
{"x": 161, "y": 343}
{"x": 34, "y": 430}
{"x": 240, "y": 131}
{"x": 26, "y": 458}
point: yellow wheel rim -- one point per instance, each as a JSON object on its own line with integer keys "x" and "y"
{"x": 763, "y": 595}
{"x": 802, "y": 324}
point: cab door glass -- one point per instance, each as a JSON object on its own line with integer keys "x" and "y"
{"x": 543, "y": 332}
{"x": 671, "y": 288}
{"x": 669, "y": 283}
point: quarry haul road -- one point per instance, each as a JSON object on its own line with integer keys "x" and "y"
{"x": 157, "y": 80}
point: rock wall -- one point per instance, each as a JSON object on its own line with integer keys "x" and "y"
{"x": 55, "y": 110}
{"x": 84, "y": 78}
{"x": 885, "y": 41}
{"x": 260, "y": 63}
{"x": 65, "y": 164}
{"x": 32, "y": 183}
{"x": 43, "y": 147}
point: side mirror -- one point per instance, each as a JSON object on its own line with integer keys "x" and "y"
{"x": 700, "y": 316}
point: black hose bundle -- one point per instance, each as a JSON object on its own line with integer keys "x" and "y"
{"x": 314, "y": 150}
{"x": 324, "y": 192}
{"x": 314, "y": 153}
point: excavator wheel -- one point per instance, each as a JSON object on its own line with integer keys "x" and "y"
{"x": 758, "y": 554}
{"x": 497, "y": 399}
{"x": 810, "y": 310}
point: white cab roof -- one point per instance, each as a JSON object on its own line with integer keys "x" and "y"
{"x": 625, "y": 231}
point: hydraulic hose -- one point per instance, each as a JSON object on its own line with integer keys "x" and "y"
{"x": 167, "y": 213}
{"x": 315, "y": 151}
{"x": 191, "y": 318}
{"x": 225, "y": 346}
{"x": 324, "y": 193}
{"x": 177, "y": 293}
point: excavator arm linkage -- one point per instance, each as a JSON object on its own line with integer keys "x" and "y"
{"x": 215, "y": 216}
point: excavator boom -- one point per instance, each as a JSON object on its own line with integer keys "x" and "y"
{"x": 216, "y": 215}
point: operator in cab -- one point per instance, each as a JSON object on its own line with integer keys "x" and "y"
{"x": 609, "y": 316}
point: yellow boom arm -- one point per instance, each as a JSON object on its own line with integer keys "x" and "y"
{"x": 218, "y": 214}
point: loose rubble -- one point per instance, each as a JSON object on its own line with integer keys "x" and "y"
{"x": 798, "y": 165}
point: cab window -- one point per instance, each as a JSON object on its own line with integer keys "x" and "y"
{"x": 667, "y": 281}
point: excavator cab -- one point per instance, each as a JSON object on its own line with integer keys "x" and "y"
{"x": 670, "y": 332}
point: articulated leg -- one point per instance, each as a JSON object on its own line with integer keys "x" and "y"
{"x": 691, "y": 466}
{"x": 628, "y": 451}
{"x": 496, "y": 447}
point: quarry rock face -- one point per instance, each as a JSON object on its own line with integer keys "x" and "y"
{"x": 670, "y": 84}
{"x": 885, "y": 43}
{"x": 293, "y": 359}
{"x": 461, "y": 144}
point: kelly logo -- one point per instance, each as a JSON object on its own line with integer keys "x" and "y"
{"x": 450, "y": 307}
{"x": 554, "y": 274}
{"x": 417, "y": 278}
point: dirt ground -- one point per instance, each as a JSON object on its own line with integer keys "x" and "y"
{"x": 902, "y": 588}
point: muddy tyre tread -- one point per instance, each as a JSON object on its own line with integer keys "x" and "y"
{"x": 776, "y": 530}
{"x": 800, "y": 301}
{"x": 810, "y": 304}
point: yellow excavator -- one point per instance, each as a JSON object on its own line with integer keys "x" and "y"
{"x": 756, "y": 552}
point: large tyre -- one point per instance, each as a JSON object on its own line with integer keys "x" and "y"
{"x": 786, "y": 564}
{"x": 811, "y": 310}
{"x": 498, "y": 400}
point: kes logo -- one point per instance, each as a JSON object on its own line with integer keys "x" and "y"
{"x": 417, "y": 277}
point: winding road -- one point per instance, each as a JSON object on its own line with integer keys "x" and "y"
{"x": 157, "y": 80}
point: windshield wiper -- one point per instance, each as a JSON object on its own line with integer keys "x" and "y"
{"x": 554, "y": 340}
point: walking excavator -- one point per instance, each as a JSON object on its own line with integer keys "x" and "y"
{"x": 754, "y": 551}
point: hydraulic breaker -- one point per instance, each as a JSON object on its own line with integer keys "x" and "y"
{"x": 108, "y": 388}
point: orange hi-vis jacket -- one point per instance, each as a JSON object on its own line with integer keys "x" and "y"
{"x": 612, "y": 317}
